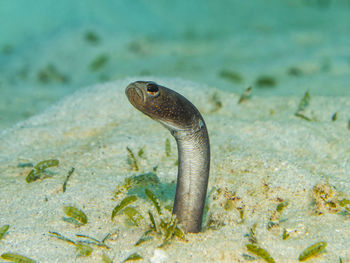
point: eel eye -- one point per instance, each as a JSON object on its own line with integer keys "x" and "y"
{"x": 152, "y": 89}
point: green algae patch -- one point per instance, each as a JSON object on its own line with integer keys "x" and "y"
{"x": 61, "y": 237}
{"x": 313, "y": 251}
{"x": 285, "y": 234}
{"x": 50, "y": 74}
{"x": 106, "y": 258}
{"x": 41, "y": 166}
{"x": 99, "y": 62}
{"x": 334, "y": 116}
{"x": 167, "y": 147}
{"x": 125, "y": 202}
{"x": 82, "y": 247}
{"x": 216, "y": 102}
{"x": 39, "y": 170}
{"x": 260, "y": 252}
{"x": 136, "y": 181}
{"x": 71, "y": 171}
{"x": 303, "y": 104}
{"x": 252, "y": 234}
{"x": 294, "y": 71}
{"x": 91, "y": 37}
{"x": 275, "y": 218}
{"x": 132, "y": 160}
{"x": 144, "y": 238}
{"x": 159, "y": 226}
{"x": 25, "y": 165}
{"x": 169, "y": 228}
{"x": 154, "y": 200}
{"x": 133, "y": 214}
{"x": 133, "y": 257}
{"x": 231, "y": 76}
{"x": 3, "y": 230}
{"x": 93, "y": 241}
{"x": 152, "y": 221}
{"x": 141, "y": 153}
{"x": 265, "y": 81}
{"x": 344, "y": 202}
{"x": 246, "y": 95}
{"x": 142, "y": 179}
{"x": 75, "y": 214}
{"x": 281, "y": 206}
{"x": 326, "y": 199}
{"x": 16, "y": 258}
{"x": 83, "y": 250}
{"x": 7, "y": 49}
{"x": 83, "y": 244}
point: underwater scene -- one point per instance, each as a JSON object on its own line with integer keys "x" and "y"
{"x": 255, "y": 168}
{"x": 53, "y": 48}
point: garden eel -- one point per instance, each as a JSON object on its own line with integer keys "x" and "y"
{"x": 186, "y": 124}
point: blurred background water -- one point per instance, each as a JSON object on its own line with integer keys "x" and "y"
{"x": 49, "y": 49}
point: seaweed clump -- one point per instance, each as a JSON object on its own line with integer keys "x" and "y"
{"x": 216, "y": 102}
{"x": 136, "y": 182}
{"x": 98, "y": 62}
{"x": 303, "y": 104}
{"x": 84, "y": 243}
{"x": 16, "y": 258}
{"x": 225, "y": 208}
{"x": 254, "y": 248}
{"x": 265, "y": 81}
{"x": 92, "y": 37}
{"x": 161, "y": 225}
{"x": 231, "y": 75}
{"x": 260, "y": 252}
{"x": 294, "y": 71}
{"x": 325, "y": 199}
{"x": 50, "y": 74}
{"x": 158, "y": 223}
{"x": 3, "y": 230}
{"x": 275, "y": 218}
{"x": 132, "y": 257}
{"x": 39, "y": 170}
{"x": 75, "y": 215}
{"x": 313, "y": 251}
{"x": 7, "y": 49}
{"x": 246, "y": 95}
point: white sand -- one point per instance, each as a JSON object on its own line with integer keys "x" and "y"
{"x": 261, "y": 152}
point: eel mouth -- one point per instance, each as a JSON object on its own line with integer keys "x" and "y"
{"x": 134, "y": 94}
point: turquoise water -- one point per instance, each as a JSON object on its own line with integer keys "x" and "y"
{"x": 52, "y": 48}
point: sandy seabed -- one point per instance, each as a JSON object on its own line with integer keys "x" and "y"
{"x": 262, "y": 156}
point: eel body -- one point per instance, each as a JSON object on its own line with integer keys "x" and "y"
{"x": 186, "y": 124}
